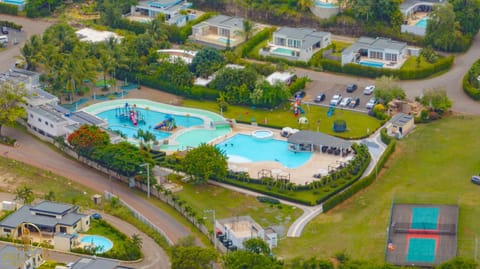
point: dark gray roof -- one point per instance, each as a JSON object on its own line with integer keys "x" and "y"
{"x": 24, "y": 214}
{"x": 83, "y": 117}
{"x": 12, "y": 257}
{"x": 407, "y": 4}
{"x": 401, "y": 119}
{"x": 378, "y": 43}
{"x": 317, "y": 138}
{"x": 51, "y": 207}
{"x": 44, "y": 94}
{"x": 95, "y": 263}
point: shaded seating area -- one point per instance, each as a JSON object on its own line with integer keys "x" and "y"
{"x": 315, "y": 141}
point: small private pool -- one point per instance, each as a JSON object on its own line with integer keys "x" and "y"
{"x": 422, "y": 22}
{"x": 103, "y": 243}
{"x": 371, "y": 64}
{"x": 284, "y": 51}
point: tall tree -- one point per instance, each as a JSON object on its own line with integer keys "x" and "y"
{"x": 387, "y": 89}
{"x": 466, "y": 13}
{"x": 11, "y": 100}
{"x": 86, "y": 138}
{"x": 24, "y": 194}
{"x": 207, "y": 61}
{"x": 442, "y": 29}
{"x": 248, "y": 29}
{"x": 436, "y": 99}
{"x": 192, "y": 257}
{"x": 205, "y": 161}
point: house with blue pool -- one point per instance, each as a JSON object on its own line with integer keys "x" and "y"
{"x": 415, "y": 13}
{"x": 172, "y": 9}
{"x": 219, "y": 32}
{"x": 376, "y": 52}
{"x": 296, "y": 44}
{"x": 19, "y": 3}
{"x": 56, "y": 223}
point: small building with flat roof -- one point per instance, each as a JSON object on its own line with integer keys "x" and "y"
{"x": 282, "y": 77}
{"x": 234, "y": 231}
{"x": 172, "y": 9}
{"x": 94, "y": 36}
{"x": 400, "y": 125}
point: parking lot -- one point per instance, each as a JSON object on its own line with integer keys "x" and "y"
{"x": 14, "y": 37}
{"x": 317, "y": 87}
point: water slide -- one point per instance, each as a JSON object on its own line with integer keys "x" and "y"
{"x": 133, "y": 118}
{"x": 169, "y": 123}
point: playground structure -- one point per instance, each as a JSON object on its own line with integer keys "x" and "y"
{"x": 330, "y": 111}
{"x": 168, "y": 124}
{"x": 297, "y": 106}
{"x": 130, "y": 113}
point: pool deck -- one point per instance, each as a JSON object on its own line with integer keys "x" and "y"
{"x": 318, "y": 163}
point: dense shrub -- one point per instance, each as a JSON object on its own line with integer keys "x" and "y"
{"x": 132, "y": 26}
{"x": 8, "y": 9}
{"x": 386, "y": 139}
{"x": 298, "y": 84}
{"x": 246, "y": 48}
{"x": 471, "y": 76}
{"x": 268, "y": 200}
{"x": 7, "y": 140}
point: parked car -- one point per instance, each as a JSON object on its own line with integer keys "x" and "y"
{"x": 345, "y": 102}
{"x": 319, "y": 98}
{"x": 4, "y": 30}
{"x": 351, "y": 87}
{"x": 300, "y": 94}
{"x": 369, "y": 89}
{"x": 96, "y": 216}
{"x": 476, "y": 179}
{"x": 354, "y": 103}
{"x": 336, "y": 99}
{"x": 371, "y": 103}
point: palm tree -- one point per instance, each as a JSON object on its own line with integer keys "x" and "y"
{"x": 31, "y": 51}
{"x": 248, "y": 29}
{"x": 137, "y": 240}
{"x": 106, "y": 66}
{"x": 25, "y": 194}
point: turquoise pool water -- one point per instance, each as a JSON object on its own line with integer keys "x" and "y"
{"x": 421, "y": 250}
{"x": 422, "y": 22}
{"x": 324, "y": 4}
{"x": 225, "y": 40}
{"x": 152, "y": 118}
{"x": 283, "y": 51}
{"x": 97, "y": 240}
{"x": 245, "y": 148}
{"x": 371, "y": 64}
{"x": 16, "y": 2}
{"x": 154, "y": 113}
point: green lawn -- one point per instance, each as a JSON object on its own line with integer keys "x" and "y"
{"x": 230, "y": 204}
{"x": 411, "y": 63}
{"x": 357, "y": 123}
{"x": 438, "y": 158}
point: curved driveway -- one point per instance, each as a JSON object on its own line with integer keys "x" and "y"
{"x": 36, "y": 153}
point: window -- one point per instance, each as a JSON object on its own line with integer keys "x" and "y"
{"x": 7, "y": 230}
{"x": 39, "y": 120}
{"x": 223, "y": 32}
{"x": 63, "y": 229}
{"x": 46, "y": 123}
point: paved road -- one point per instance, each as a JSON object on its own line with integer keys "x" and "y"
{"x": 36, "y": 153}
{"x": 451, "y": 81}
{"x": 30, "y": 27}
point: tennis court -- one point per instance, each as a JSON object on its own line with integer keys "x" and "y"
{"x": 422, "y": 234}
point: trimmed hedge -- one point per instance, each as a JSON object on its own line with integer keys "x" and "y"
{"x": 268, "y": 200}
{"x": 441, "y": 65}
{"x": 246, "y": 48}
{"x": 470, "y": 90}
{"x": 361, "y": 184}
{"x": 386, "y": 139}
{"x": 12, "y": 25}
{"x": 8, "y": 9}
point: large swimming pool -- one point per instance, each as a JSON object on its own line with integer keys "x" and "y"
{"x": 152, "y": 118}
{"x": 191, "y": 122}
{"x": 242, "y": 148}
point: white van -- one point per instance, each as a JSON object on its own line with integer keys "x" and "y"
{"x": 3, "y": 39}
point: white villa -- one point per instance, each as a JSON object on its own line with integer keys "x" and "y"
{"x": 381, "y": 50}
{"x": 171, "y": 8}
{"x": 219, "y": 32}
{"x": 297, "y": 44}
{"x": 415, "y": 14}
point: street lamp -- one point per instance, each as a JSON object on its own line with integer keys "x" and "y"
{"x": 213, "y": 214}
{"x": 148, "y": 177}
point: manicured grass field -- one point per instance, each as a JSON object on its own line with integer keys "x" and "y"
{"x": 438, "y": 158}
{"x": 230, "y": 204}
{"x": 357, "y": 123}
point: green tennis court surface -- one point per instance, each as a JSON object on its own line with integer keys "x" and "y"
{"x": 421, "y": 250}
{"x": 425, "y": 218}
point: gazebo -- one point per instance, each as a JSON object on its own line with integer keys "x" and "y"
{"x": 311, "y": 141}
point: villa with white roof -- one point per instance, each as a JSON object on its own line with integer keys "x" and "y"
{"x": 385, "y": 51}
{"x": 296, "y": 44}
{"x": 219, "y": 32}
{"x": 171, "y": 8}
